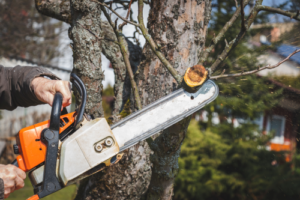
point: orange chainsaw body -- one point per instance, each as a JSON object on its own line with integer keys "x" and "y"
{"x": 32, "y": 151}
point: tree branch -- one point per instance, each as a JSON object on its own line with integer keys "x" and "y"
{"x": 236, "y": 4}
{"x": 124, "y": 52}
{"x": 112, "y": 10}
{"x": 236, "y": 40}
{"x": 128, "y": 12}
{"x": 257, "y": 70}
{"x": 242, "y": 16}
{"x": 258, "y": 7}
{"x": 152, "y": 44}
{"x": 221, "y": 34}
{"x": 56, "y": 9}
{"x": 293, "y": 15}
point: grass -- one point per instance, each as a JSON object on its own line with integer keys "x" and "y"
{"x": 67, "y": 193}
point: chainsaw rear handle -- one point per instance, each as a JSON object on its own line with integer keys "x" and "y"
{"x": 77, "y": 82}
{"x": 54, "y": 118}
{"x": 55, "y": 112}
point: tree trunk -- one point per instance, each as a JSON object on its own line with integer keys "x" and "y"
{"x": 179, "y": 28}
{"x": 87, "y": 51}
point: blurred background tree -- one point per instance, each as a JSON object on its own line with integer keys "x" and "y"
{"x": 228, "y": 161}
{"x": 26, "y": 33}
{"x": 212, "y": 166}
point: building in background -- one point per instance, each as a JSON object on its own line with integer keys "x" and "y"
{"x": 283, "y": 120}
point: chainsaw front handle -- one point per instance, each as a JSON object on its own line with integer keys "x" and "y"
{"x": 77, "y": 82}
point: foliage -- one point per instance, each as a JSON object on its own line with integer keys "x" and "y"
{"x": 212, "y": 166}
{"x": 106, "y": 93}
{"x": 226, "y": 161}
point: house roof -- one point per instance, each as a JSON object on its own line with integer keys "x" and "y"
{"x": 285, "y": 50}
{"x": 285, "y": 87}
{"x": 290, "y": 94}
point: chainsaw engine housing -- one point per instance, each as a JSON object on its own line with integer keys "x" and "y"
{"x": 89, "y": 146}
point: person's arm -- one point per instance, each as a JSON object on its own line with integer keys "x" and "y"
{"x": 15, "y": 87}
{"x": 25, "y": 86}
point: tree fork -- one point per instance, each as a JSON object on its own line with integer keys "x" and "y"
{"x": 124, "y": 52}
{"x": 112, "y": 51}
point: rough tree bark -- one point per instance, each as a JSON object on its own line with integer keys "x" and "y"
{"x": 87, "y": 51}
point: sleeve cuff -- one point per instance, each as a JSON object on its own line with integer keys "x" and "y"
{"x": 1, "y": 189}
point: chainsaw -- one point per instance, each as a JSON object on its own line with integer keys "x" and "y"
{"x": 72, "y": 146}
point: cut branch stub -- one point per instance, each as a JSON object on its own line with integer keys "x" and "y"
{"x": 195, "y": 76}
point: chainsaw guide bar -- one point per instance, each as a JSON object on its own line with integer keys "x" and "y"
{"x": 162, "y": 114}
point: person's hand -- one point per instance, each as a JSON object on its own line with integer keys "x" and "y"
{"x": 45, "y": 89}
{"x": 13, "y": 178}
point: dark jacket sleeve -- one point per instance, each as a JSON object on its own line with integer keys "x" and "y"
{"x": 1, "y": 189}
{"x": 15, "y": 86}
